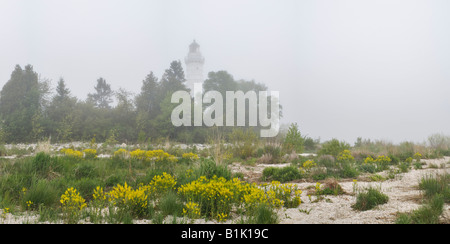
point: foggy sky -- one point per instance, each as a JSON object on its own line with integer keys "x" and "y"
{"x": 344, "y": 69}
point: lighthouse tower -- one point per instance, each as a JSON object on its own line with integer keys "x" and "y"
{"x": 194, "y": 66}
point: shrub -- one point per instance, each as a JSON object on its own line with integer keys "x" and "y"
{"x": 427, "y": 214}
{"x": 332, "y": 187}
{"x": 41, "y": 193}
{"x": 72, "y": 204}
{"x": 244, "y": 143}
{"x": 68, "y": 152}
{"x": 262, "y": 214}
{"x": 209, "y": 168}
{"x": 121, "y": 153}
{"x": 192, "y": 210}
{"x": 369, "y": 199}
{"x": 214, "y": 196}
{"x": 436, "y": 185}
{"x": 41, "y": 164}
{"x": 270, "y": 154}
{"x": 293, "y": 140}
{"x": 90, "y": 153}
{"x": 345, "y": 155}
{"x": 190, "y": 156}
{"x": 333, "y": 147}
{"x": 129, "y": 200}
{"x": 169, "y": 204}
{"x": 85, "y": 170}
{"x": 284, "y": 174}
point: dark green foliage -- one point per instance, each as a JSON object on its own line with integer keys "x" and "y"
{"x": 369, "y": 199}
{"x": 102, "y": 98}
{"x": 427, "y": 214}
{"x": 263, "y": 214}
{"x": 293, "y": 140}
{"x": 29, "y": 112}
{"x": 333, "y": 147}
{"x": 283, "y": 174}
{"x": 20, "y": 101}
{"x": 209, "y": 169}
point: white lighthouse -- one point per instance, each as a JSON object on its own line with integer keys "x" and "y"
{"x": 194, "y": 66}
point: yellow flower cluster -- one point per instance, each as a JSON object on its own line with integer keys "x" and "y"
{"x": 72, "y": 201}
{"x": 222, "y": 217}
{"x": 192, "y": 210}
{"x": 214, "y": 195}
{"x": 121, "y": 153}
{"x": 99, "y": 195}
{"x": 151, "y": 155}
{"x": 218, "y": 195}
{"x": 90, "y": 153}
{"x": 138, "y": 154}
{"x": 345, "y": 155}
{"x": 380, "y": 159}
{"x": 417, "y": 156}
{"x": 162, "y": 183}
{"x": 287, "y": 195}
{"x": 190, "y": 156}
{"x": 72, "y": 153}
{"x": 308, "y": 165}
{"x": 383, "y": 159}
{"x": 159, "y": 155}
{"x": 125, "y": 197}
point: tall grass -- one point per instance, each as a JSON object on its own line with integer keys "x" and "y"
{"x": 436, "y": 185}
{"x": 369, "y": 199}
{"x": 436, "y": 193}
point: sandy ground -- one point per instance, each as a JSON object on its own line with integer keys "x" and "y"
{"x": 403, "y": 192}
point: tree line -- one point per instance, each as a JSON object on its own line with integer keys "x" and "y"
{"x": 31, "y": 111}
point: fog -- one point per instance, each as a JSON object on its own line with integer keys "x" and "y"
{"x": 343, "y": 69}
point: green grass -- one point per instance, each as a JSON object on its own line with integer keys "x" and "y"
{"x": 369, "y": 199}
{"x": 262, "y": 214}
{"x": 436, "y": 194}
{"x": 284, "y": 174}
{"x": 427, "y": 214}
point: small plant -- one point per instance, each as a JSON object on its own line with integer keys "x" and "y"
{"x": 369, "y": 199}
{"x": 192, "y": 210}
{"x": 404, "y": 167}
{"x": 90, "y": 153}
{"x": 355, "y": 186}
{"x": 284, "y": 174}
{"x": 345, "y": 155}
{"x": 263, "y": 214}
{"x": 121, "y": 153}
{"x": 190, "y": 156}
{"x": 427, "y": 214}
{"x": 308, "y": 165}
{"x": 72, "y": 153}
{"x": 436, "y": 185}
{"x": 72, "y": 204}
{"x": 418, "y": 157}
{"x": 293, "y": 140}
{"x": 332, "y": 187}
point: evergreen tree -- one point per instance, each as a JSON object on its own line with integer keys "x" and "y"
{"x": 124, "y": 117}
{"x": 293, "y": 142}
{"x": 60, "y": 113}
{"x": 62, "y": 92}
{"x": 147, "y": 106}
{"x": 20, "y": 101}
{"x": 220, "y": 81}
{"x": 102, "y": 98}
{"x": 173, "y": 79}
